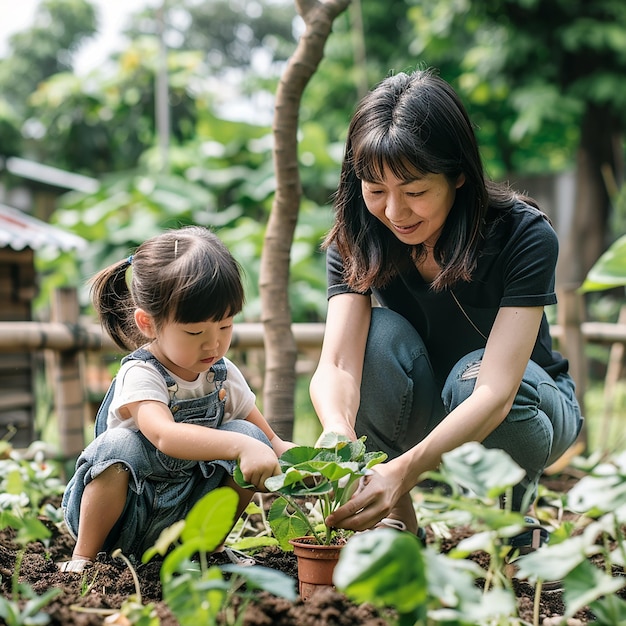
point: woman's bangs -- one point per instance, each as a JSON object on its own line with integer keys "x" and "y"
{"x": 373, "y": 159}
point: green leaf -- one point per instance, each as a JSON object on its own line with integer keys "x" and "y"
{"x": 254, "y": 543}
{"x": 239, "y": 479}
{"x": 587, "y": 583}
{"x": 486, "y": 472}
{"x": 32, "y": 529}
{"x": 167, "y": 537}
{"x": 595, "y": 494}
{"x": 609, "y": 270}
{"x": 384, "y": 567}
{"x": 211, "y": 519}
{"x": 193, "y": 603}
{"x": 14, "y": 482}
{"x": 374, "y": 458}
{"x": 286, "y": 526}
{"x": 451, "y": 581}
{"x": 34, "y": 605}
{"x": 9, "y": 519}
{"x": 299, "y": 482}
{"x": 265, "y": 578}
{"x": 297, "y": 455}
{"x": 553, "y": 562}
{"x": 609, "y": 611}
{"x": 332, "y": 440}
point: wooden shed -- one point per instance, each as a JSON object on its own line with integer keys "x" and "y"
{"x": 21, "y": 236}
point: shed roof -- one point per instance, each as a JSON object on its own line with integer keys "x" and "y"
{"x": 38, "y": 172}
{"x": 18, "y": 230}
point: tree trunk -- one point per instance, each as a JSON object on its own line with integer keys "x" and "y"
{"x": 597, "y": 166}
{"x": 280, "y": 347}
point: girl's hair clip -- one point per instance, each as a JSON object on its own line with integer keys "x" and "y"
{"x": 130, "y": 260}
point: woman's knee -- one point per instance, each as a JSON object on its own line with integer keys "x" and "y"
{"x": 461, "y": 380}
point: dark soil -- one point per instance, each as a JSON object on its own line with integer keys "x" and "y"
{"x": 85, "y": 600}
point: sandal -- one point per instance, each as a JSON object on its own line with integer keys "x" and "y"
{"x": 396, "y": 524}
{"x": 74, "y": 566}
{"x": 532, "y": 538}
{"x": 239, "y": 558}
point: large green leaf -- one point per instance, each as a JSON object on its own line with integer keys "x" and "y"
{"x": 486, "y": 472}
{"x": 211, "y": 518}
{"x": 265, "y": 578}
{"x": 384, "y": 567}
{"x": 587, "y": 583}
{"x": 609, "y": 270}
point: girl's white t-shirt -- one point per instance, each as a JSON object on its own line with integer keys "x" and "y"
{"x": 139, "y": 380}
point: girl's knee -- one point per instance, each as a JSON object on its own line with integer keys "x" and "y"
{"x": 117, "y": 471}
{"x": 116, "y": 477}
{"x": 243, "y": 427}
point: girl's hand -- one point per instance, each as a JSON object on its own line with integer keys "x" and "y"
{"x": 373, "y": 500}
{"x": 258, "y": 462}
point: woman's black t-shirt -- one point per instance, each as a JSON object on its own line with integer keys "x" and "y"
{"x": 515, "y": 269}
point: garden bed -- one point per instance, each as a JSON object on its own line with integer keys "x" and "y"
{"x": 84, "y": 599}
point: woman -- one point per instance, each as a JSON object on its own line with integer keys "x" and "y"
{"x": 459, "y": 349}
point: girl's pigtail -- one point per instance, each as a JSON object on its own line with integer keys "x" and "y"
{"x": 113, "y": 302}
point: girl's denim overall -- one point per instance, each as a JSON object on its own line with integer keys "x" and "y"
{"x": 401, "y": 402}
{"x": 162, "y": 489}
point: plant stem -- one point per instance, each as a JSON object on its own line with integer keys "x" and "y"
{"x": 537, "y": 604}
{"x": 16, "y": 574}
{"x": 117, "y": 554}
{"x": 303, "y": 516}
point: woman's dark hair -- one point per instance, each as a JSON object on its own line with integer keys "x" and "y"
{"x": 183, "y": 276}
{"x": 413, "y": 124}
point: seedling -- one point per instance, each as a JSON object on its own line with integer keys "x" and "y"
{"x": 327, "y": 475}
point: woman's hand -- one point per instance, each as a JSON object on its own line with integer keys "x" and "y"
{"x": 340, "y": 428}
{"x": 374, "y": 499}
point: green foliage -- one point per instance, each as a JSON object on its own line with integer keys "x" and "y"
{"x": 104, "y": 123}
{"x": 28, "y": 612}
{"x": 329, "y": 473}
{"x": 554, "y": 60}
{"x": 44, "y": 49}
{"x": 600, "y": 496}
{"x": 385, "y": 566}
{"x": 392, "y": 569}
{"x": 226, "y": 185}
{"x": 24, "y": 485}
{"x": 196, "y": 593}
{"x": 609, "y": 270}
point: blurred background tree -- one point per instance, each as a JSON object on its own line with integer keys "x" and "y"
{"x": 542, "y": 81}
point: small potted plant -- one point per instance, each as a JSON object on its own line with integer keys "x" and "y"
{"x": 315, "y": 481}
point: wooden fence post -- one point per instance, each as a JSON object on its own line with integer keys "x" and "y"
{"x": 571, "y": 316}
{"x": 68, "y": 388}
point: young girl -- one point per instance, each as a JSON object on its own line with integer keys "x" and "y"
{"x": 460, "y": 349}
{"x": 179, "y": 414}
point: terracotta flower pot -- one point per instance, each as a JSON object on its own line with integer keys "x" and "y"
{"x": 316, "y": 564}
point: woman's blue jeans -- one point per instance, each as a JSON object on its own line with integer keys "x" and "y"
{"x": 401, "y": 402}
